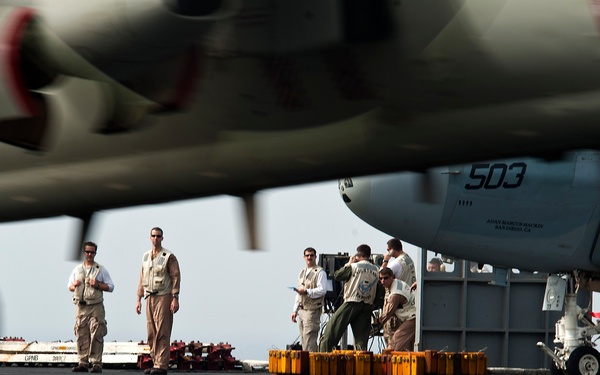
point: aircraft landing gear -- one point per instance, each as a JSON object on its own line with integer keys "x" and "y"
{"x": 584, "y": 360}
{"x": 573, "y": 353}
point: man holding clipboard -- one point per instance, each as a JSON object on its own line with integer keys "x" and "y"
{"x": 308, "y": 305}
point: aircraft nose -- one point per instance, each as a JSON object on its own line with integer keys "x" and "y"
{"x": 409, "y": 206}
{"x": 355, "y": 192}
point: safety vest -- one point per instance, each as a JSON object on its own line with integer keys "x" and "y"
{"x": 155, "y": 275}
{"x": 408, "y": 310}
{"x": 408, "y": 274}
{"x": 84, "y": 293}
{"x": 362, "y": 285}
{"x": 310, "y": 282}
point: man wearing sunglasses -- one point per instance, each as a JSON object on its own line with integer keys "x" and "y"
{"x": 88, "y": 281}
{"x": 399, "y": 313}
{"x": 310, "y": 295}
{"x": 159, "y": 285}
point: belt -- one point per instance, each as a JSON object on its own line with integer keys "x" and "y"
{"x": 150, "y": 294}
{"x": 300, "y": 307}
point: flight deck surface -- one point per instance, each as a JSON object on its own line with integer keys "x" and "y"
{"x": 38, "y": 370}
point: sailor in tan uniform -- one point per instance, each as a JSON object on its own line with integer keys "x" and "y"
{"x": 308, "y": 305}
{"x": 159, "y": 285}
{"x": 399, "y": 313}
{"x": 88, "y": 281}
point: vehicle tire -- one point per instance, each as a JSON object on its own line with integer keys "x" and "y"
{"x": 584, "y": 360}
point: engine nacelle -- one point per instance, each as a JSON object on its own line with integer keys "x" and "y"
{"x": 23, "y": 114}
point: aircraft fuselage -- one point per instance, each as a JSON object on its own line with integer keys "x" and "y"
{"x": 130, "y": 102}
{"x": 523, "y": 213}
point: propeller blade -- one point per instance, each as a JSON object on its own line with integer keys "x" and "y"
{"x": 86, "y": 221}
{"x": 251, "y": 225}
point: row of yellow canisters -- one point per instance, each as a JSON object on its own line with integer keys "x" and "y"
{"x": 349, "y": 362}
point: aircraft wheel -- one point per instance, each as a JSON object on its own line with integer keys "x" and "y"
{"x": 584, "y": 360}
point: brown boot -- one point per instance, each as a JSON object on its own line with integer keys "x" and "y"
{"x": 80, "y": 368}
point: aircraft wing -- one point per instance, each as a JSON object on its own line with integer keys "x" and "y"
{"x": 133, "y": 102}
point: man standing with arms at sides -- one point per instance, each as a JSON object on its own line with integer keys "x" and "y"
{"x": 310, "y": 295}
{"x": 88, "y": 281}
{"x": 159, "y": 285}
{"x": 400, "y": 263}
{"x": 360, "y": 289}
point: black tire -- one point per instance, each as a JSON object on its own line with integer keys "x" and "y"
{"x": 584, "y": 360}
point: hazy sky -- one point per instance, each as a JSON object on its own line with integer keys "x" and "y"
{"x": 228, "y": 294}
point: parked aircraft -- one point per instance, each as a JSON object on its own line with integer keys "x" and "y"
{"x": 130, "y": 102}
{"x": 523, "y": 213}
